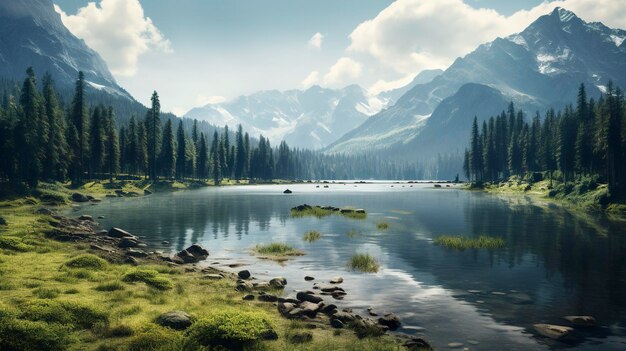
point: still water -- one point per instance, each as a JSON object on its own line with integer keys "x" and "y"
{"x": 554, "y": 264}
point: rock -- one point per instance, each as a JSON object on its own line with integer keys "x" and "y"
{"x": 3, "y": 221}
{"x": 213, "y": 276}
{"x": 100, "y": 217}
{"x": 308, "y": 296}
{"x": 371, "y": 312}
{"x": 416, "y": 343}
{"x": 131, "y": 260}
{"x": 390, "y": 320}
{"x": 177, "y": 320}
{"x": 336, "y": 280}
{"x": 300, "y": 338}
{"x": 556, "y": 332}
{"x": 310, "y": 308}
{"x": 128, "y": 242}
{"x": 308, "y": 278}
{"x": 119, "y": 233}
{"x": 437, "y": 185}
{"x": 581, "y": 321}
{"x": 287, "y": 191}
{"x": 78, "y": 197}
{"x": 110, "y": 195}
{"x": 136, "y": 253}
{"x": 329, "y": 309}
{"x": 245, "y": 274}
{"x": 165, "y": 242}
{"x": 86, "y": 218}
{"x": 248, "y": 297}
{"x": 261, "y": 286}
{"x": 278, "y": 283}
{"x": 268, "y": 298}
{"x": 147, "y": 192}
{"x": 346, "y": 210}
{"x": 198, "y": 251}
{"x": 186, "y": 257}
{"x": 368, "y": 328}
{"x": 244, "y": 286}
{"x": 301, "y": 208}
{"x": 343, "y": 316}
{"x": 336, "y": 323}
{"x": 285, "y": 308}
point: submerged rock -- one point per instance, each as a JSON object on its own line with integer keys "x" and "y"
{"x": 390, "y": 320}
{"x": 581, "y": 321}
{"x": 177, "y": 320}
{"x": 556, "y": 332}
{"x": 287, "y": 191}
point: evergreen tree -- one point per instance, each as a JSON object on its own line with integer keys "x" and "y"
{"x": 56, "y": 149}
{"x": 153, "y": 134}
{"x": 215, "y": 159}
{"x": 112, "y": 160}
{"x": 181, "y": 152}
{"x": 31, "y": 131}
{"x": 203, "y": 158}
{"x": 97, "y": 140}
{"x": 133, "y": 147}
{"x": 240, "y": 156}
{"x": 168, "y": 153}
{"x": 476, "y": 159}
{"x": 79, "y": 133}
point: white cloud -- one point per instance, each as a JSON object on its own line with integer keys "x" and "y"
{"x": 386, "y": 85}
{"x": 316, "y": 41}
{"x": 411, "y": 35}
{"x": 118, "y": 30}
{"x": 311, "y": 79}
{"x": 343, "y": 71}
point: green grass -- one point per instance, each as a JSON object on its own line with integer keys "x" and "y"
{"x": 232, "y": 329}
{"x": 364, "y": 262}
{"x": 317, "y": 211}
{"x": 277, "y": 250}
{"x": 458, "y": 242}
{"x": 148, "y": 276}
{"x": 312, "y": 236}
{"x": 86, "y": 261}
{"x": 382, "y": 225}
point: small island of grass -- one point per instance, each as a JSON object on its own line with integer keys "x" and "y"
{"x": 364, "y": 263}
{"x": 382, "y": 225}
{"x": 324, "y": 211}
{"x": 312, "y": 236}
{"x": 457, "y": 242}
{"x": 277, "y": 251}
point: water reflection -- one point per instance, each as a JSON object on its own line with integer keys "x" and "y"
{"x": 555, "y": 263}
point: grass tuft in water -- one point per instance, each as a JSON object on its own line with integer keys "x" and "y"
{"x": 458, "y": 242}
{"x": 312, "y": 236}
{"x": 364, "y": 263}
{"x": 382, "y": 225}
{"x": 277, "y": 249}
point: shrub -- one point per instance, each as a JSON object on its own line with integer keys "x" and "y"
{"x": 14, "y": 244}
{"x": 110, "y": 286}
{"x": 46, "y": 293}
{"x": 277, "y": 249}
{"x": 24, "y": 335}
{"x": 148, "y": 276}
{"x": 231, "y": 328}
{"x": 72, "y": 314}
{"x": 156, "y": 338}
{"x": 364, "y": 263}
{"x": 312, "y": 235}
{"x": 461, "y": 243}
{"x": 86, "y": 261}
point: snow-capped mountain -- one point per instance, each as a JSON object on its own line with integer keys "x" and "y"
{"x": 311, "y": 118}
{"x": 32, "y": 34}
{"x": 538, "y": 68}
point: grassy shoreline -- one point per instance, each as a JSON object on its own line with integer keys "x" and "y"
{"x": 43, "y": 282}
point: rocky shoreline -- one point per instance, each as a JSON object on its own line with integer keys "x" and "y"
{"x": 117, "y": 245}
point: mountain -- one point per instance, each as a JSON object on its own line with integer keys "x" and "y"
{"x": 423, "y": 77}
{"x": 32, "y": 34}
{"x": 539, "y": 68}
{"x": 311, "y": 118}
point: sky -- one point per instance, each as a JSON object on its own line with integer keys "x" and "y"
{"x": 195, "y": 52}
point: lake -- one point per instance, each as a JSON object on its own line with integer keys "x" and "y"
{"x": 555, "y": 263}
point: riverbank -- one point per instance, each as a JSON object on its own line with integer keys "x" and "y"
{"x": 58, "y": 293}
{"x": 585, "y": 196}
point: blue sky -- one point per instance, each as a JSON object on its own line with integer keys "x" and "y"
{"x": 210, "y": 50}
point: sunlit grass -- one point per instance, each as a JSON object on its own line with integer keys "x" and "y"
{"x": 312, "y": 236}
{"x": 458, "y": 242}
{"x": 319, "y": 212}
{"x": 278, "y": 250}
{"x": 364, "y": 263}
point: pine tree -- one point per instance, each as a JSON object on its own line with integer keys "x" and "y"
{"x": 142, "y": 149}
{"x": 112, "y": 159}
{"x": 31, "y": 131}
{"x": 215, "y": 159}
{"x": 97, "y": 140}
{"x": 79, "y": 134}
{"x": 168, "y": 154}
{"x": 153, "y": 134}
{"x": 203, "y": 158}
{"x": 240, "y": 154}
{"x": 476, "y": 159}
{"x": 181, "y": 152}
{"x": 132, "y": 150}
{"x": 56, "y": 149}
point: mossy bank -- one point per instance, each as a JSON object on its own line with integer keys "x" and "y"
{"x": 74, "y": 296}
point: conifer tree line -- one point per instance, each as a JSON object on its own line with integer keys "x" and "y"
{"x": 586, "y": 140}
{"x": 42, "y": 140}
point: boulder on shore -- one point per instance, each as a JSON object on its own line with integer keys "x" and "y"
{"x": 119, "y": 233}
{"x": 193, "y": 254}
{"x": 390, "y": 320}
{"x": 278, "y": 283}
{"x": 244, "y": 274}
{"x": 78, "y": 197}
{"x": 581, "y": 321}
{"x": 177, "y": 320}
